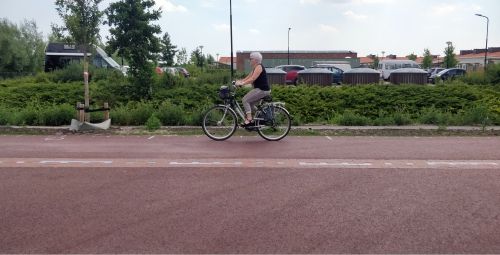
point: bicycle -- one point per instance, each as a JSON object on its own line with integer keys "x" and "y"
{"x": 271, "y": 120}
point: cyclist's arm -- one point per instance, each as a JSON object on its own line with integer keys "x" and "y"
{"x": 252, "y": 76}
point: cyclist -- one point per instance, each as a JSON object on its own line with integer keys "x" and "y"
{"x": 261, "y": 87}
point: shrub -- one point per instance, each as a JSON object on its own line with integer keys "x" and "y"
{"x": 402, "y": 118}
{"x": 434, "y": 116}
{"x": 171, "y": 114}
{"x": 350, "y": 118}
{"x": 153, "y": 123}
{"x": 477, "y": 115}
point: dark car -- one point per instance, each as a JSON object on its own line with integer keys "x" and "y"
{"x": 183, "y": 71}
{"x": 450, "y": 73}
{"x": 291, "y": 72}
{"x": 338, "y": 74}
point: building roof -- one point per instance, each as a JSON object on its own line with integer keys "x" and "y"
{"x": 227, "y": 60}
{"x": 303, "y": 51}
{"x": 480, "y": 55}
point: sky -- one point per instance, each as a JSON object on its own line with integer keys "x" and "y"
{"x": 378, "y": 27}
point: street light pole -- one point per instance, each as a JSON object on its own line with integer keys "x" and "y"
{"x": 486, "y": 49}
{"x": 231, "y": 33}
{"x": 289, "y": 44}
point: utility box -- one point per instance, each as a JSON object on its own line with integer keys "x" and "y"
{"x": 408, "y": 76}
{"x": 316, "y": 76}
{"x": 275, "y": 76}
{"x": 361, "y": 76}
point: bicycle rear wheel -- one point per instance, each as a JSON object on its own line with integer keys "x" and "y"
{"x": 219, "y": 122}
{"x": 276, "y": 128}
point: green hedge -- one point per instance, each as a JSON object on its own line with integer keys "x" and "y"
{"x": 45, "y": 100}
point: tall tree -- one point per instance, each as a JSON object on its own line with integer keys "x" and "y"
{"x": 21, "y": 47}
{"x": 197, "y": 57}
{"x": 210, "y": 59}
{"x": 82, "y": 19}
{"x": 376, "y": 61}
{"x": 135, "y": 38}
{"x": 427, "y": 62}
{"x": 182, "y": 56}
{"x": 450, "y": 59}
{"x": 168, "y": 50}
{"x": 412, "y": 57}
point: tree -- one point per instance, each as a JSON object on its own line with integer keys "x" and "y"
{"x": 376, "y": 61}
{"x": 182, "y": 57}
{"x": 197, "y": 57}
{"x": 82, "y": 19}
{"x": 134, "y": 38}
{"x": 21, "y": 47}
{"x": 450, "y": 59}
{"x": 412, "y": 57}
{"x": 427, "y": 62}
{"x": 58, "y": 34}
{"x": 210, "y": 59}
{"x": 168, "y": 50}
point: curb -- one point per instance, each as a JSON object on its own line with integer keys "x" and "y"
{"x": 335, "y": 130}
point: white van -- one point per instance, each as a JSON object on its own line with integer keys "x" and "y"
{"x": 386, "y": 66}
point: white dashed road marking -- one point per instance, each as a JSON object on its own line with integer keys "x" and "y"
{"x": 252, "y": 163}
{"x": 58, "y": 138}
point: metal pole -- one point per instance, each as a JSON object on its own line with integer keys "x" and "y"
{"x": 289, "y": 45}
{"x": 486, "y": 49}
{"x": 486, "y": 52}
{"x": 231, "y": 32}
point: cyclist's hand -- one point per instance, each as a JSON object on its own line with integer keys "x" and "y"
{"x": 239, "y": 83}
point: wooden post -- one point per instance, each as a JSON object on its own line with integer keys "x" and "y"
{"x": 106, "y": 112}
{"x": 87, "y": 97}
{"x": 81, "y": 112}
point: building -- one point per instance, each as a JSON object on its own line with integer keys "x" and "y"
{"x": 304, "y": 58}
{"x": 473, "y": 60}
{"x": 225, "y": 62}
{"x": 58, "y": 55}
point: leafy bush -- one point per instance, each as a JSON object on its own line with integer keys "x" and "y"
{"x": 350, "y": 118}
{"x": 477, "y": 115}
{"x": 434, "y": 116}
{"x": 171, "y": 114}
{"x": 134, "y": 113}
{"x": 182, "y": 103}
{"x": 153, "y": 123}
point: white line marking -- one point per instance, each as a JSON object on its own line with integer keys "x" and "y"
{"x": 333, "y": 164}
{"x": 329, "y": 138}
{"x": 74, "y": 162}
{"x": 55, "y": 138}
{"x": 151, "y": 137}
{"x": 203, "y": 163}
{"x": 20, "y": 162}
{"x": 434, "y": 163}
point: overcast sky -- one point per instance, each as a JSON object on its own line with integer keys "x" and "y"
{"x": 398, "y": 27}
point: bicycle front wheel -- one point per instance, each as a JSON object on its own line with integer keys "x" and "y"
{"x": 276, "y": 128}
{"x": 219, "y": 122}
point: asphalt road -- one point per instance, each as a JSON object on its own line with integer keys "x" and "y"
{"x": 169, "y": 194}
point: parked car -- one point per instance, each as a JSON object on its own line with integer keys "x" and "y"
{"x": 431, "y": 73}
{"x": 170, "y": 70}
{"x": 183, "y": 71}
{"x": 338, "y": 74}
{"x": 450, "y": 73}
{"x": 291, "y": 72}
{"x": 386, "y": 66}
